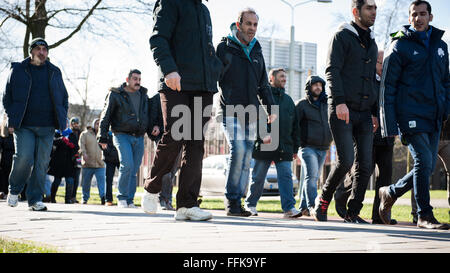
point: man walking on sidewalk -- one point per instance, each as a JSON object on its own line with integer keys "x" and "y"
{"x": 244, "y": 79}
{"x": 91, "y": 162}
{"x": 189, "y": 72}
{"x": 36, "y": 102}
{"x": 282, "y": 156}
{"x": 314, "y": 139}
{"x": 126, "y": 111}
{"x": 350, "y": 74}
{"x": 415, "y": 98}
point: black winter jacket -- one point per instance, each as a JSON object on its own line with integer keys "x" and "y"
{"x": 313, "y": 120}
{"x": 182, "y": 41}
{"x": 350, "y": 71}
{"x": 118, "y": 112}
{"x": 240, "y": 76}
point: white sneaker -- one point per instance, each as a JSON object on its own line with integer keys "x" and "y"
{"x": 292, "y": 213}
{"x": 149, "y": 202}
{"x": 194, "y": 213}
{"x": 132, "y": 206}
{"x": 253, "y": 211}
{"x": 122, "y": 204}
{"x": 38, "y": 206}
{"x": 12, "y": 200}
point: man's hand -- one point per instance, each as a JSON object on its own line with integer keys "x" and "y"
{"x": 10, "y": 130}
{"x": 375, "y": 123}
{"x": 342, "y": 112}
{"x": 104, "y": 145}
{"x": 295, "y": 156}
{"x": 155, "y": 131}
{"x": 271, "y": 118}
{"x": 173, "y": 81}
{"x": 267, "y": 139}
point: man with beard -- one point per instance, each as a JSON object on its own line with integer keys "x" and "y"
{"x": 314, "y": 139}
{"x": 350, "y": 73}
{"x": 414, "y": 101}
{"x": 126, "y": 111}
{"x": 282, "y": 156}
{"x": 36, "y": 102}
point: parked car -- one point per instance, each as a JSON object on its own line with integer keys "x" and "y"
{"x": 214, "y": 177}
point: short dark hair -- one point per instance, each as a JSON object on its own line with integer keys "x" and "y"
{"x": 133, "y": 71}
{"x": 420, "y": 2}
{"x": 358, "y": 4}
{"x": 274, "y": 71}
{"x": 244, "y": 11}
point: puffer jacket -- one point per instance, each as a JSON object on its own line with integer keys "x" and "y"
{"x": 119, "y": 113}
{"x": 415, "y": 84}
{"x": 18, "y": 88}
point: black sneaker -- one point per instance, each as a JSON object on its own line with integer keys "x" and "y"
{"x": 354, "y": 219}
{"x": 320, "y": 211}
{"x": 379, "y": 222}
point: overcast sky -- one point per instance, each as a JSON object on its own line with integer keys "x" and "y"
{"x": 111, "y": 60}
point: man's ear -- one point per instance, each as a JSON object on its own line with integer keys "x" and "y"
{"x": 431, "y": 17}
{"x": 238, "y": 25}
{"x": 355, "y": 12}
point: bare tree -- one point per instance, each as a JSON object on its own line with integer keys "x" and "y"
{"x": 34, "y": 18}
{"x": 389, "y": 19}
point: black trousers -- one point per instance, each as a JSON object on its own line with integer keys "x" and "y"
{"x": 191, "y": 141}
{"x": 110, "y": 170}
{"x": 357, "y": 136}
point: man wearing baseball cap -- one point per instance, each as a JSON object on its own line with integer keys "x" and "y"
{"x": 36, "y": 103}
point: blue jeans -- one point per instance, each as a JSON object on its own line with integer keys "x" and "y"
{"x": 86, "y": 177}
{"x": 312, "y": 162}
{"x": 424, "y": 149}
{"x": 285, "y": 185}
{"x": 241, "y": 141}
{"x": 131, "y": 150}
{"x": 33, "y": 146}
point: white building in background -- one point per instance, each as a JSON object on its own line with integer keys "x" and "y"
{"x": 276, "y": 54}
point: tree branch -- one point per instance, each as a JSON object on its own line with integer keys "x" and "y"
{"x": 78, "y": 27}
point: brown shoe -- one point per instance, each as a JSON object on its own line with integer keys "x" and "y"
{"x": 429, "y": 222}
{"x": 108, "y": 204}
{"x": 386, "y": 203}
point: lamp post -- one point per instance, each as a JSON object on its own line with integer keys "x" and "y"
{"x": 292, "y": 41}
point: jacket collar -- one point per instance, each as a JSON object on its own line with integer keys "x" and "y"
{"x": 407, "y": 33}
{"x": 27, "y": 61}
{"x": 352, "y": 29}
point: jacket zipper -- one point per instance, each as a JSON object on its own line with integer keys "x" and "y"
{"x": 28, "y": 97}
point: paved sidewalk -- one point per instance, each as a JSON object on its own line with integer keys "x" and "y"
{"x": 94, "y": 228}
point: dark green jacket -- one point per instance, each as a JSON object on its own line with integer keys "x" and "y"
{"x": 181, "y": 41}
{"x": 288, "y": 130}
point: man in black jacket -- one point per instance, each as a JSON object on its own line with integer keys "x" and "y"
{"x": 383, "y": 151}
{"x": 244, "y": 79}
{"x": 182, "y": 47}
{"x": 350, "y": 74}
{"x": 314, "y": 139}
{"x": 126, "y": 111}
